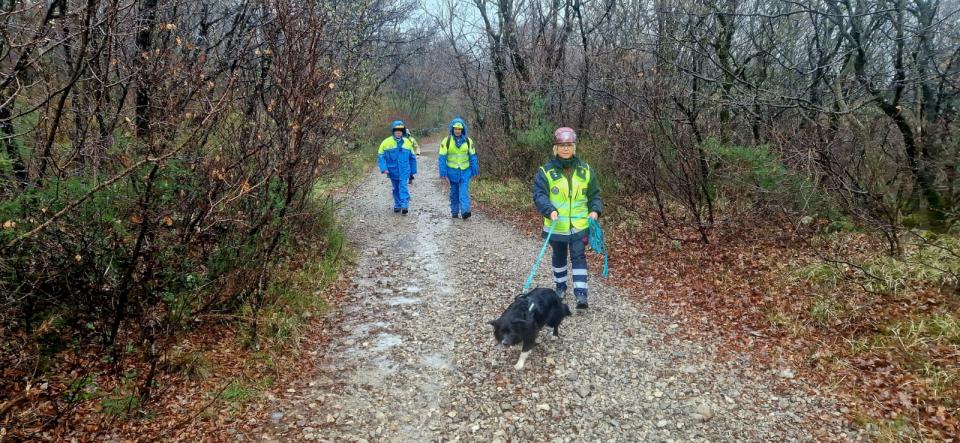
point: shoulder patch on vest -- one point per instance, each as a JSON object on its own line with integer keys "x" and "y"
{"x": 554, "y": 174}
{"x": 555, "y": 190}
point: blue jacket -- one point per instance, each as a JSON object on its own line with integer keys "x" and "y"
{"x": 396, "y": 156}
{"x": 456, "y": 175}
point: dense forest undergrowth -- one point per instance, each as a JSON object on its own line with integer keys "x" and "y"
{"x": 204, "y": 375}
{"x": 168, "y": 226}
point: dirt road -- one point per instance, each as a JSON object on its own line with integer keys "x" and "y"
{"x": 415, "y": 360}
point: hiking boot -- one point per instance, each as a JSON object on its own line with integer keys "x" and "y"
{"x": 396, "y": 210}
{"x": 404, "y": 211}
{"x": 455, "y": 215}
{"x": 582, "y": 302}
{"x": 562, "y": 292}
{"x": 466, "y": 215}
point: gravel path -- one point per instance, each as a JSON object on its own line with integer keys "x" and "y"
{"x": 415, "y": 360}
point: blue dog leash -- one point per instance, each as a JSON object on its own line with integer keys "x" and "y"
{"x": 596, "y": 243}
{"x": 536, "y": 264}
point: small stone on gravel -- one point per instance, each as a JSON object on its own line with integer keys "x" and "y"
{"x": 786, "y": 373}
{"x": 583, "y": 391}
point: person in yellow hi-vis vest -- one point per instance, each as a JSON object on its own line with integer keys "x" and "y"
{"x": 458, "y": 164}
{"x": 566, "y": 193}
{"x": 416, "y": 144}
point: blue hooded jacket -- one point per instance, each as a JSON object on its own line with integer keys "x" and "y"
{"x": 396, "y": 155}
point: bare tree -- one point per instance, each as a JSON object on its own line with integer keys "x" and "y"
{"x": 157, "y": 161}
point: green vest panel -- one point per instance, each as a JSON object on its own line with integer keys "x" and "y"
{"x": 458, "y": 158}
{"x": 570, "y": 199}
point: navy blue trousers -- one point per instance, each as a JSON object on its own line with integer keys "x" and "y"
{"x": 577, "y": 251}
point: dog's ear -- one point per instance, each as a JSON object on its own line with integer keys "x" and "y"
{"x": 493, "y": 323}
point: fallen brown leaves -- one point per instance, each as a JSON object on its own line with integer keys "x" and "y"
{"x": 183, "y": 408}
{"x": 738, "y": 290}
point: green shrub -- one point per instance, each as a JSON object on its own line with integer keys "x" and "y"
{"x": 756, "y": 175}
{"x": 533, "y": 144}
{"x": 841, "y": 224}
{"x": 295, "y": 291}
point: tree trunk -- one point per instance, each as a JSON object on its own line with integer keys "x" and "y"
{"x": 11, "y": 146}
{"x": 144, "y": 41}
{"x": 723, "y": 45}
{"x": 499, "y": 68}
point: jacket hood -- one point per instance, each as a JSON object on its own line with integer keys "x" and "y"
{"x": 462, "y": 122}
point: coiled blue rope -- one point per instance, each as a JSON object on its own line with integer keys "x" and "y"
{"x": 596, "y": 243}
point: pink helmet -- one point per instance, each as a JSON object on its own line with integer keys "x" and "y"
{"x": 564, "y": 135}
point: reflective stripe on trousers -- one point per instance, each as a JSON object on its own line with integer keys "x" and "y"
{"x": 578, "y": 258}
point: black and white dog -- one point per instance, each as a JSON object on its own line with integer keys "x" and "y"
{"x": 523, "y": 319}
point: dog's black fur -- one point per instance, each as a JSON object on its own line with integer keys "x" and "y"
{"x": 522, "y": 320}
